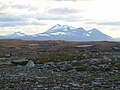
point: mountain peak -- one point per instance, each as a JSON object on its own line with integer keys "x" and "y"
{"x": 18, "y": 33}
{"x": 59, "y": 27}
{"x": 63, "y": 26}
{"x": 15, "y": 35}
{"x": 94, "y": 30}
{"x": 80, "y": 28}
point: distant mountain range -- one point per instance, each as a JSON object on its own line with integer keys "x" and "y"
{"x": 118, "y": 39}
{"x": 62, "y": 32}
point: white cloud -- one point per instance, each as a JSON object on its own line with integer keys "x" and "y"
{"x": 63, "y": 11}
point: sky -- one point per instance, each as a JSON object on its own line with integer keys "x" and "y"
{"x": 37, "y": 16}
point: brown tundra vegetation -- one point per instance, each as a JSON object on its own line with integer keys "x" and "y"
{"x": 59, "y": 65}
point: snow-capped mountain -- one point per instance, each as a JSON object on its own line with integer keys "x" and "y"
{"x": 63, "y": 32}
{"x": 60, "y": 28}
{"x": 15, "y": 35}
{"x": 97, "y": 35}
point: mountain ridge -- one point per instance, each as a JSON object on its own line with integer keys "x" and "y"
{"x": 62, "y": 32}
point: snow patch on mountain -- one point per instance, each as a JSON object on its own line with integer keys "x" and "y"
{"x": 44, "y": 35}
{"x": 89, "y": 31}
{"x": 87, "y": 34}
{"x": 59, "y": 33}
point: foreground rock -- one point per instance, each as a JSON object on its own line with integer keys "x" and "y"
{"x": 64, "y": 75}
{"x": 30, "y": 64}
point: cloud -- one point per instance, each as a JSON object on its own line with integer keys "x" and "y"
{"x": 70, "y": 18}
{"x": 68, "y": 0}
{"x": 7, "y": 18}
{"x": 65, "y": 0}
{"x": 105, "y": 23}
{"x": 20, "y": 6}
{"x": 7, "y": 21}
{"x": 12, "y": 24}
{"x": 20, "y": 14}
{"x": 3, "y": 7}
{"x": 19, "y": 23}
{"x": 109, "y": 23}
{"x": 63, "y": 11}
{"x": 28, "y": 7}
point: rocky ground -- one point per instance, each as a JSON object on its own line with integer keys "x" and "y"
{"x": 64, "y": 75}
{"x": 59, "y": 65}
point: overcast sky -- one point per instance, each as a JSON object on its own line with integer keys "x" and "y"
{"x": 36, "y": 16}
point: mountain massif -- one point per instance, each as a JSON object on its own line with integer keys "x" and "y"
{"x": 62, "y": 32}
